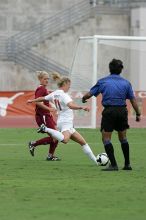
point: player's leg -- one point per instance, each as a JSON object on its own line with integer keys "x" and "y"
{"x": 50, "y": 123}
{"x": 62, "y": 136}
{"x": 107, "y": 126}
{"x": 52, "y": 132}
{"x": 77, "y": 137}
{"x": 67, "y": 135}
{"x": 43, "y": 141}
{"x": 106, "y": 139}
{"x": 125, "y": 149}
{"x": 122, "y": 127}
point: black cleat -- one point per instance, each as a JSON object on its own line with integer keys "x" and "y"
{"x": 127, "y": 167}
{"x": 53, "y": 158}
{"x": 41, "y": 129}
{"x": 31, "y": 148}
{"x": 111, "y": 168}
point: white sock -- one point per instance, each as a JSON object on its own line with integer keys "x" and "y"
{"x": 55, "y": 134}
{"x": 87, "y": 150}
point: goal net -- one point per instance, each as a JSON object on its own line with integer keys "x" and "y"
{"x": 90, "y": 62}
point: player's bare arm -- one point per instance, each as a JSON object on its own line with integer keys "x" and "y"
{"x": 39, "y": 102}
{"x": 136, "y": 108}
{"x": 88, "y": 95}
{"x": 42, "y": 106}
{"x": 74, "y": 106}
{"x": 40, "y": 99}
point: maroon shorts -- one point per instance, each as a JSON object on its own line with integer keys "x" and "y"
{"x": 45, "y": 119}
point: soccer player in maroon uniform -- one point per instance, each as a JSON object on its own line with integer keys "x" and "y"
{"x": 43, "y": 115}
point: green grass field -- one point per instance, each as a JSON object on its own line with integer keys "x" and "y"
{"x": 74, "y": 188}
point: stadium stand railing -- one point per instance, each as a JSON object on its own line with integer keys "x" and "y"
{"x": 32, "y": 60}
{"x": 3, "y": 48}
{"x": 54, "y": 25}
{"x": 18, "y": 48}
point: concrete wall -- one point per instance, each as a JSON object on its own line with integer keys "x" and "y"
{"x": 18, "y": 15}
{"x": 15, "y": 78}
{"x": 61, "y": 48}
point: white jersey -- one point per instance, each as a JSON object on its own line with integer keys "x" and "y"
{"x": 60, "y": 100}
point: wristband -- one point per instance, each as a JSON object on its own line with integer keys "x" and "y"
{"x": 137, "y": 114}
{"x": 83, "y": 100}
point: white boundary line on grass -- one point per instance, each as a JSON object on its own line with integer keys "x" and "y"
{"x": 128, "y": 131}
{"x": 134, "y": 143}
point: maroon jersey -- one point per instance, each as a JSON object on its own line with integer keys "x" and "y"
{"x": 41, "y": 91}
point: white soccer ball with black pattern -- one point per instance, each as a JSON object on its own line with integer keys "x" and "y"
{"x": 102, "y": 159}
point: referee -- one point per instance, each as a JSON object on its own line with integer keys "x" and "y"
{"x": 115, "y": 90}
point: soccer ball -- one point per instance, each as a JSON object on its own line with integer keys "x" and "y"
{"x": 102, "y": 159}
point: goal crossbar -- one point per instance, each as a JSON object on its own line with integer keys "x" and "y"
{"x": 105, "y": 37}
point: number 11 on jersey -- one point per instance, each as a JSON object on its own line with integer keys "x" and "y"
{"x": 57, "y": 104}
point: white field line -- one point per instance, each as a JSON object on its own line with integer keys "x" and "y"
{"x": 97, "y": 143}
{"x": 143, "y": 130}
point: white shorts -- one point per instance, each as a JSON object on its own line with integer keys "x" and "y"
{"x": 66, "y": 126}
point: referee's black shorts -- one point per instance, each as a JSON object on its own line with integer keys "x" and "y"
{"x": 114, "y": 118}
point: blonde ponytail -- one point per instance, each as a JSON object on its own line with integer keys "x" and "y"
{"x": 63, "y": 81}
{"x": 60, "y": 80}
{"x": 55, "y": 76}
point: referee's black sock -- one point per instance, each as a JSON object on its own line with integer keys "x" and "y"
{"x": 110, "y": 152}
{"x": 125, "y": 149}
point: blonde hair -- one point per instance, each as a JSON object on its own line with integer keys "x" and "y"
{"x": 41, "y": 74}
{"x": 60, "y": 80}
{"x": 55, "y": 76}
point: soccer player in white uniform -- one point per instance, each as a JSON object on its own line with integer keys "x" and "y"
{"x": 65, "y": 106}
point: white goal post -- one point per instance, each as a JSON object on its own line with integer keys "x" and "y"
{"x": 92, "y": 55}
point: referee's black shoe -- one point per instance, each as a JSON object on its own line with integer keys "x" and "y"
{"x": 111, "y": 168}
{"x": 127, "y": 167}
